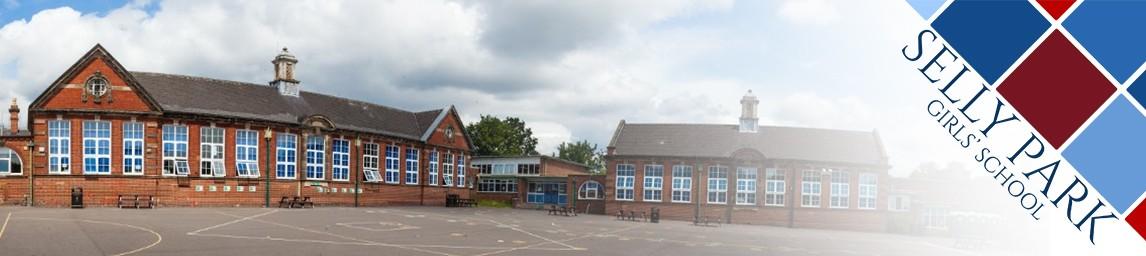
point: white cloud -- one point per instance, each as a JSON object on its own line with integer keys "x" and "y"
{"x": 814, "y": 12}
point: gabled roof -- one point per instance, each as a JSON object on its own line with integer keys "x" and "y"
{"x": 774, "y": 142}
{"x": 231, "y": 99}
{"x": 97, "y": 52}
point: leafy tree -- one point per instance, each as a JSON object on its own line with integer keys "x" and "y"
{"x": 493, "y": 136}
{"x": 582, "y": 152}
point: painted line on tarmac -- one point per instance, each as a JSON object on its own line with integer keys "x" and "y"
{"x": 347, "y": 237}
{"x": 5, "y": 227}
{"x": 232, "y": 222}
{"x": 158, "y": 238}
{"x": 530, "y": 247}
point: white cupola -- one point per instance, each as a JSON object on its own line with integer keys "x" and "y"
{"x": 749, "y": 123}
{"x": 284, "y": 74}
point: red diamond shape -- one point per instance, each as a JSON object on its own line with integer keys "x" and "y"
{"x": 1056, "y": 89}
{"x": 1056, "y": 7}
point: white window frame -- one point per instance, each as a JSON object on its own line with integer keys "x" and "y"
{"x": 315, "y": 157}
{"x": 370, "y": 162}
{"x": 653, "y": 188}
{"x": 811, "y": 184}
{"x": 433, "y": 168}
{"x": 868, "y": 191}
{"x": 340, "y": 160}
{"x": 447, "y": 170}
{"x": 412, "y": 158}
{"x": 212, "y": 153}
{"x": 681, "y": 183}
{"x": 590, "y": 190}
{"x": 59, "y": 147}
{"x": 393, "y": 154}
{"x": 775, "y": 187}
{"x": 626, "y": 176}
{"x": 495, "y": 185}
{"x": 11, "y": 161}
{"x": 840, "y": 189}
{"x": 175, "y": 161}
{"x": 461, "y": 170}
{"x": 717, "y": 189}
{"x": 746, "y": 185}
{"x": 97, "y": 147}
{"x": 286, "y": 156}
{"x": 247, "y": 165}
{"x": 133, "y": 148}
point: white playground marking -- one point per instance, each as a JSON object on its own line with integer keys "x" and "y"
{"x": 359, "y": 225}
{"x": 158, "y": 238}
{"x": 5, "y": 227}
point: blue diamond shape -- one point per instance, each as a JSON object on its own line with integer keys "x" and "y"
{"x": 926, "y": 7}
{"x": 991, "y": 35}
{"x": 1109, "y": 154}
{"x": 1113, "y": 33}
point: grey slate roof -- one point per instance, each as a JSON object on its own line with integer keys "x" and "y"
{"x": 774, "y": 142}
{"x": 207, "y": 96}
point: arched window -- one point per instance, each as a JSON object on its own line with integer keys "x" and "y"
{"x": 10, "y": 163}
{"x": 589, "y": 190}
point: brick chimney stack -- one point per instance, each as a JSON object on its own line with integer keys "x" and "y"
{"x": 14, "y": 116}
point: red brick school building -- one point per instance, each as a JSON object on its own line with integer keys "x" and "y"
{"x": 748, "y": 173}
{"x": 193, "y": 141}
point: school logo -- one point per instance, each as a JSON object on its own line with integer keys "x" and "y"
{"x": 1072, "y": 71}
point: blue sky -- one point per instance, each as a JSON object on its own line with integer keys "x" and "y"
{"x": 571, "y": 69}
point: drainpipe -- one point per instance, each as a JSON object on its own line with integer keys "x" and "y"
{"x": 357, "y": 175}
{"x": 267, "y": 135}
{"x": 32, "y": 172}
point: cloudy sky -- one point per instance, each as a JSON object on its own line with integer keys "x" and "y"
{"x": 570, "y": 69}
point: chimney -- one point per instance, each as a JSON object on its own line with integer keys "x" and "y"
{"x": 14, "y": 116}
{"x": 284, "y": 74}
{"x": 748, "y": 121}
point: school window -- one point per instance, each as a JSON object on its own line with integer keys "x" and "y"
{"x": 717, "y": 184}
{"x": 175, "y": 150}
{"x": 496, "y": 185}
{"x": 247, "y": 153}
{"x": 340, "y": 169}
{"x": 840, "y": 188}
{"x": 654, "y": 179}
{"x": 745, "y": 186}
{"x": 412, "y": 165}
{"x": 10, "y": 163}
{"x": 522, "y": 169}
{"x": 681, "y": 183}
{"x": 97, "y": 147}
{"x": 59, "y": 147}
{"x": 810, "y": 189}
{"x": 774, "y": 187}
{"x": 433, "y": 168}
{"x": 461, "y": 159}
{"x": 867, "y": 190}
{"x": 315, "y": 157}
{"x": 392, "y": 164}
{"x": 133, "y": 148}
{"x": 370, "y": 163}
{"x": 286, "y": 156}
{"x": 211, "y": 152}
{"x": 626, "y": 175}
{"x": 447, "y": 170}
{"x": 590, "y": 190}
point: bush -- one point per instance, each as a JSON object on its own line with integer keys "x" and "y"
{"x": 494, "y": 203}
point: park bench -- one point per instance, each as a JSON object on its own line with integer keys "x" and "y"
{"x": 708, "y": 221}
{"x": 135, "y": 201}
{"x": 295, "y": 202}
{"x": 467, "y": 203}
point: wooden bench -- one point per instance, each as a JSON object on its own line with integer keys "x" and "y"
{"x": 467, "y": 203}
{"x": 286, "y": 202}
{"x": 304, "y": 203}
{"x": 708, "y": 221}
{"x": 135, "y": 201}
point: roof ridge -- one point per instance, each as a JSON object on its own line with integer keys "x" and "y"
{"x": 766, "y": 126}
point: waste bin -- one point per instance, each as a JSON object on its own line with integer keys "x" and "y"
{"x": 77, "y": 197}
{"x": 655, "y": 216}
{"x": 452, "y": 200}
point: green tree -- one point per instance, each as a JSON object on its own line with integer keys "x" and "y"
{"x": 582, "y": 152}
{"x": 493, "y": 136}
